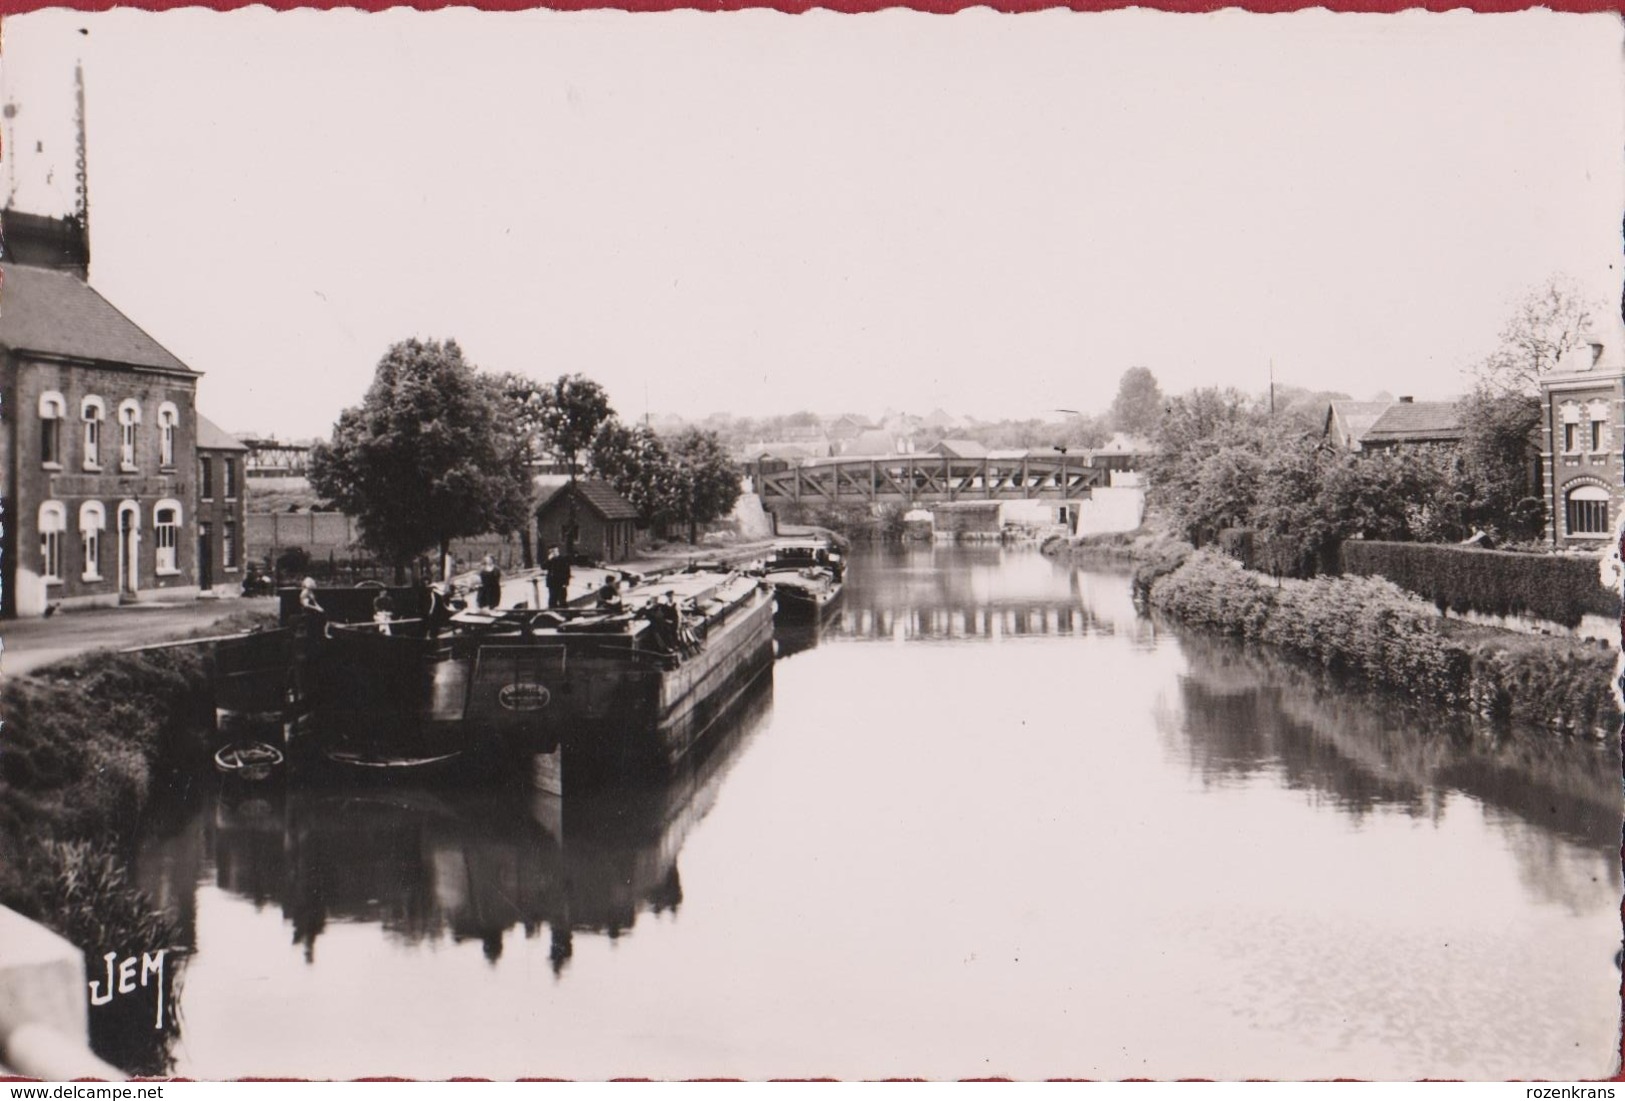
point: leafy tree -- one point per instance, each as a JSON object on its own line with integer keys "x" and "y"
{"x": 425, "y": 458}
{"x": 568, "y": 414}
{"x": 1497, "y": 453}
{"x": 635, "y": 461}
{"x": 708, "y": 481}
{"x": 1138, "y": 405}
{"x": 1546, "y": 324}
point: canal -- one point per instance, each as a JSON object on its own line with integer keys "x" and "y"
{"x": 985, "y": 821}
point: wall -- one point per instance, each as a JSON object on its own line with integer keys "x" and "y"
{"x": 223, "y": 513}
{"x": 69, "y": 483}
{"x": 1111, "y": 509}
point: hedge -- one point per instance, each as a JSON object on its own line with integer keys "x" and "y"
{"x": 1368, "y": 627}
{"x": 1555, "y": 587}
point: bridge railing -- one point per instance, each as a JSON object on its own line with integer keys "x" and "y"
{"x": 933, "y": 477}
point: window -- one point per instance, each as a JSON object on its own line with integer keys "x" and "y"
{"x": 52, "y": 409}
{"x": 229, "y": 477}
{"x": 228, "y": 545}
{"x": 166, "y": 523}
{"x": 92, "y": 519}
{"x": 1587, "y": 511}
{"x": 168, "y": 416}
{"x": 1568, "y": 437}
{"x": 53, "y": 521}
{"x": 129, "y": 415}
{"x": 205, "y": 479}
{"x": 1598, "y": 412}
{"x": 92, "y": 411}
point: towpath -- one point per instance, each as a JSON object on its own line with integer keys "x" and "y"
{"x": 31, "y": 643}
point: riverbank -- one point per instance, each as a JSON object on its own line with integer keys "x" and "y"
{"x": 88, "y": 742}
{"x": 1375, "y": 630}
{"x": 1372, "y": 629}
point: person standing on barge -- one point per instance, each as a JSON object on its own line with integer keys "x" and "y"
{"x": 490, "y": 591}
{"x": 558, "y": 579}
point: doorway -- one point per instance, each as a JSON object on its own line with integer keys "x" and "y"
{"x": 129, "y": 550}
{"x": 205, "y": 556}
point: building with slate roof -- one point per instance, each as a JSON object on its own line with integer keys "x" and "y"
{"x": 1408, "y": 423}
{"x": 586, "y": 517}
{"x": 1348, "y": 421}
{"x": 99, "y": 440}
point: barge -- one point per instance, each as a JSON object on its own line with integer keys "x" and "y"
{"x": 577, "y": 697}
{"x": 806, "y": 574}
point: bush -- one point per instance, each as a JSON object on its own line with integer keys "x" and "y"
{"x": 1371, "y": 628}
{"x": 1558, "y": 588}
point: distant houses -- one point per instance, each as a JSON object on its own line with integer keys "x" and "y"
{"x": 1373, "y": 425}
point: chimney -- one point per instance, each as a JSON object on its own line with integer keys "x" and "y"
{"x": 1406, "y": 399}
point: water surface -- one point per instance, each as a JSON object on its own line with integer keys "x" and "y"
{"x": 985, "y": 820}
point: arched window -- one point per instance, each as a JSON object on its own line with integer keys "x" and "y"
{"x": 166, "y": 526}
{"x": 92, "y": 521}
{"x": 93, "y": 411}
{"x": 53, "y": 521}
{"x": 129, "y": 416}
{"x": 1586, "y": 511}
{"x": 53, "y": 409}
{"x": 168, "y": 417}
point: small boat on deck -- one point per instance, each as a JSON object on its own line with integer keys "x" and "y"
{"x": 605, "y": 693}
{"x": 806, "y": 574}
{"x": 251, "y": 762}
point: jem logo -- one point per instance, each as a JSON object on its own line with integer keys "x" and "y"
{"x": 524, "y": 695}
{"x": 151, "y": 965}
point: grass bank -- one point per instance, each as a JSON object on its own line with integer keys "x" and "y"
{"x": 1373, "y": 629}
{"x": 86, "y": 743}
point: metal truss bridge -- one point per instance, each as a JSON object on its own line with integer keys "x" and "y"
{"x": 930, "y": 478}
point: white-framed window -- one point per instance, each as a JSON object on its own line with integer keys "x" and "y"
{"x": 1586, "y": 511}
{"x": 92, "y": 522}
{"x": 228, "y": 476}
{"x": 53, "y": 521}
{"x": 1598, "y": 434}
{"x": 228, "y": 545}
{"x": 129, "y": 416}
{"x": 93, "y": 411}
{"x": 205, "y": 478}
{"x": 166, "y": 528}
{"x": 53, "y": 410}
{"x": 168, "y": 418}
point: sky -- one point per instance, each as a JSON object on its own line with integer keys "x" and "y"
{"x": 759, "y": 213}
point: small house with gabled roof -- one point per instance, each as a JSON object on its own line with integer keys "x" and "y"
{"x": 587, "y": 517}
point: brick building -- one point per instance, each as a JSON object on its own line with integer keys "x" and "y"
{"x": 97, "y": 438}
{"x": 605, "y": 522}
{"x": 1582, "y": 433}
{"x": 222, "y": 507}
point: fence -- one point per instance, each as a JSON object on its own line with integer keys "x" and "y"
{"x": 331, "y": 544}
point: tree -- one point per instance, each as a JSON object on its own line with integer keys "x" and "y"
{"x": 1138, "y": 405}
{"x": 1498, "y": 454}
{"x": 426, "y": 457}
{"x": 569, "y": 412}
{"x": 528, "y": 444}
{"x": 1547, "y": 323}
{"x": 636, "y": 462}
{"x": 708, "y": 480}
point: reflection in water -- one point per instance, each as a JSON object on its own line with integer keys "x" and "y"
{"x": 1059, "y": 840}
{"x": 939, "y": 592}
{"x": 1246, "y": 712}
{"x": 449, "y": 863}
